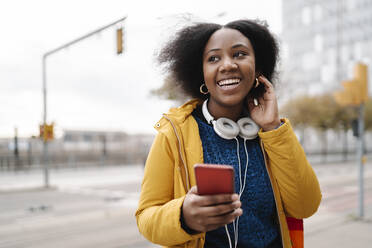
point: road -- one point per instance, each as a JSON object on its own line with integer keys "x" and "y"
{"x": 92, "y": 207}
{"x": 95, "y": 207}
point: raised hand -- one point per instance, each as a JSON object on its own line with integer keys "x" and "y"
{"x": 266, "y": 113}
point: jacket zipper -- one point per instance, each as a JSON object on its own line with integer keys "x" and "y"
{"x": 183, "y": 162}
{"x": 179, "y": 150}
{"x": 277, "y": 211}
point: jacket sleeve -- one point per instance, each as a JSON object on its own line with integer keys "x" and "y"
{"x": 158, "y": 214}
{"x": 297, "y": 182}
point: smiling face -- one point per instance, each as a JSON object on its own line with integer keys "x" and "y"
{"x": 229, "y": 69}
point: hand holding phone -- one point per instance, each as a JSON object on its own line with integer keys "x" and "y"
{"x": 203, "y": 213}
{"x": 212, "y": 203}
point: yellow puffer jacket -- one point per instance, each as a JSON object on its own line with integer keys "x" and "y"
{"x": 169, "y": 174}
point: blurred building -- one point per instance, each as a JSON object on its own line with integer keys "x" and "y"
{"x": 76, "y": 148}
{"x": 321, "y": 42}
{"x": 84, "y": 140}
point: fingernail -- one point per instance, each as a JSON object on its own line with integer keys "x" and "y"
{"x": 238, "y": 204}
{"x": 240, "y": 211}
{"x": 234, "y": 197}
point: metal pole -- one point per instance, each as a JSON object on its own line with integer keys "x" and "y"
{"x": 360, "y": 160}
{"x": 45, "y": 143}
{"x": 16, "y": 150}
{"x": 338, "y": 40}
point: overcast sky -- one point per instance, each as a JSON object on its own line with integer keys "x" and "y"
{"x": 89, "y": 86}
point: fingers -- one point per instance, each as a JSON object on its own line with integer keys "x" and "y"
{"x": 213, "y": 205}
{"x": 252, "y": 105}
{"x": 225, "y": 219}
{"x": 220, "y": 209}
{"x": 266, "y": 82}
{"x": 269, "y": 94}
{"x": 210, "y": 200}
{"x": 204, "y": 223}
{"x": 261, "y": 100}
{"x": 204, "y": 213}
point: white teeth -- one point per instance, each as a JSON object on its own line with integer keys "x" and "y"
{"x": 228, "y": 81}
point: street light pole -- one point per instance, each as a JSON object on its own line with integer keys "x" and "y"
{"x": 360, "y": 159}
{"x": 45, "y": 142}
{"x": 44, "y": 60}
{"x": 339, "y": 7}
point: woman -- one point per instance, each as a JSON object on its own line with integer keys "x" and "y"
{"x": 228, "y": 70}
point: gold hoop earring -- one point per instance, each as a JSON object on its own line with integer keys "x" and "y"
{"x": 257, "y": 83}
{"x": 202, "y": 91}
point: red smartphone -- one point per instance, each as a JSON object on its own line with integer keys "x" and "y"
{"x": 214, "y": 179}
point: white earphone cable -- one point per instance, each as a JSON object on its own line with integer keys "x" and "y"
{"x": 242, "y": 187}
{"x": 246, "y": 166}
{"x": 237, "y": 153}
{"x": 228, "y": 236}
{"x": 236, "y": 223}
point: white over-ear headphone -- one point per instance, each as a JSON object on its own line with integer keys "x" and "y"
{"x": 229, "y": 129}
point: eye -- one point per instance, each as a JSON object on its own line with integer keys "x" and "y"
{"x": 240, "y": 54}
{"x": 213, "y": 58}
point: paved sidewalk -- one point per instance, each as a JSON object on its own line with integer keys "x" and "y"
{"x": 343, "y": 232}
{"x": 330, "y": 227}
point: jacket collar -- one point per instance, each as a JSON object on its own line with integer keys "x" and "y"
{"x": 179, "y": 114}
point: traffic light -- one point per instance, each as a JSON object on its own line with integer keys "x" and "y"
{"x": 119, "y": 41}
{"x": 47, "y": 132}
{"x": 356, "y": 90}
{"x": 360, "y": 74}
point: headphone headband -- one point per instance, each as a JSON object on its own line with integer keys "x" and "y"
{"x": 206, "y": 113}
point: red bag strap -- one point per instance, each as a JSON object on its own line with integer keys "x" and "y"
{"x": 296, "y": 232}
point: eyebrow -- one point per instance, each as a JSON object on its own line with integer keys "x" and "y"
{"x": 239, "y": 45}
{"x": 234, "y": 46}
{"x": 212, "y": 50}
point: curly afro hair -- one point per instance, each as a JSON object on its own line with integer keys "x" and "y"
{"x": 183, "y": 54}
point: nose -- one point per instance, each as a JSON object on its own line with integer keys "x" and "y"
{"x": 228, "y": 65}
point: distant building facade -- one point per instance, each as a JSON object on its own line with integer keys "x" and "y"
{"x": 321, "y": 42}
{"x": 77, "y": 148}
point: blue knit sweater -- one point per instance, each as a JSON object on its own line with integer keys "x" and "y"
{"x": 257, "y": 225}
